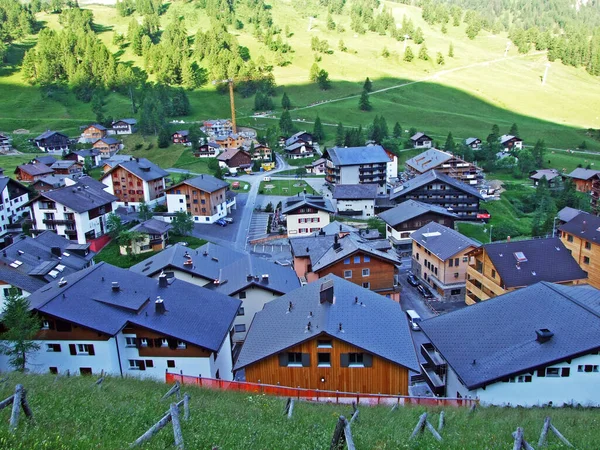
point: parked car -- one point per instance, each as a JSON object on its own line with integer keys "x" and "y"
{"x": 221, "y": 222}
{"x": 412, "y": 280}
{"x": 228, "y": 219}
{"x": 425, "y": 292}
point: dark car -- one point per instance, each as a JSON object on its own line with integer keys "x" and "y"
{"x": 221, "y": 222}
{"x": 425, "y": 292}
{"x": 412, "y": 280}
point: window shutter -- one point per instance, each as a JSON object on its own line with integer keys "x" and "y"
{"x": 138, "y": 342}
{"x": 541, "y": 372}
{"x": 142, "y": 365}
{"x": 91, "y": 349}
{"x": 57, "y": 348}
{"x": 566, "y": 371}
{"x": 305, "y": 359}
{"x": 150, "y": 342}
{"x": 344, "y": 360}
{"x": 367, "y": 360}
{"x": 283, "y": 360}
{"x": 72, "y": 349}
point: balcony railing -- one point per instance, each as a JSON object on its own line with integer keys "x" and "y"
{"x": 432, "y": 356}
{"x": 436, "y": 383}
{"x": 58, "y": 222}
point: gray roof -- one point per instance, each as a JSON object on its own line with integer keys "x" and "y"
{"x": 496, "y": 339}
{"x": 56, "y": 181}
{"x": 35, "y": 169}
{"x": 471, "y": 140}
{"x": 87, "y": 153}
{"x": 507, "y": 137}
{"x": 292, "y": 139}
{"x": 194, "y": 315}
{"x": 567, "y": 213}
{"x": 549, "y": 174}
{"x": 546, "y": 260}
{"x": 290, "y": 204}
{"x": 20, "y": 280}
{"x": 314, "y": 246}
{"x": 317, "y": 162}
{"x": 409, "y": 210}
{"x": 142, "y": 168}
{"x": 583, "y": 174}
{"x": 296, "y": 145}
{"x": 206, "y": 183}
{"x": 152, "y": 226}
{"x": 429, "y": 177}
{"x": 442, "y": 241}
{"x": 428, "y": 160}
{"x": 376, "y": 324}
{"x": 108, "y": 140}
{"x": 116, "y": 159}
{"x": 355, "y": 191}
{"x": 418, "y": 136}
{"x": 96, "y": 125}
{"x": 230, "y": 153}
{"x": 84, "y": 195}
{"x": 354, "y": 156}
{"x": 182, "y": 132}
{"x": 47, "y": 134}
{"x": 336, "y": 227}
{"x": 45, "y": 159}
{"x": 63, "y": 164}
{"x": 127, "y": 121}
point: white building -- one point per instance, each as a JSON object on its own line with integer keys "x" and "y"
{"x": 13, "y": 197}
{"x": 109, "y": 319}
{"x": 306, "y": 214}
{"x": 77, "y": 211}
{"x": 531, "y": 347}
{"x": 355, "y": 200}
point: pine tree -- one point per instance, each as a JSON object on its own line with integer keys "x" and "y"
{"x": 144, "y": 212}
{"x": 451, "y": 50}
{"x": 368, "y": 86}
{"x": 423, "y": 53}
{"x": 450, "y": 146}
{"x": 418, "y": 37}
{"x": 164, "y": 137}
{"x": 21, "y": 327}
{"x": 375, "y": 133}
{"x": 314, "y": 72}
{"x": 440, "y": 59}
{"x": 318, "y": 133}
{"x": 385, "y": 132}
{"x": 285, "y": 123}
{"x": 538, "y": 152}
{"x": 408, "y": 54}
{"x": 285, "y": 102}
{"x": 339, "y": 135}
{"x": 397, "y": 130}
{"x": 363, "y": 103}
{"x": 514, "y": 131}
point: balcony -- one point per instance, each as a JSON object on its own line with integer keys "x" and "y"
{"x": 71, "y": 233}
{"x": 477, "y": 291}
{"x": 436, "y": 383}
{"x": 432, "y": 356}
{"x": 58, "y": 222}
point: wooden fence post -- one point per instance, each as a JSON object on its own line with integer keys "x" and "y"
{"x": 544, "y": 433}
{"x": 348, "y": 435}
{"x": 152, "y": 430}
{"x": 441, "y": 422}
{"x": 420, "y": 425}
{"x": 186, "y": 406}
{"x": 518, "y": 436}
{"x": 176, "y": 426}
{"x": 7, "y": 401}
{"x": 560, "y": 436}
{"x": 291, "y": 409}
{"x": 526, "y": 445}
{"x": 25, "y": 405}
{"x": 16, "y": 408}
{"x": 171, "y": 391}
{"x": 338, "y": 434}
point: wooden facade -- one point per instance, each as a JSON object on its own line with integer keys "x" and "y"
{"x": 94, "y": 132}
{"x": 199, "y": 202}
{"x": 454, "y": 167}
{"x": 75, "y": 168}
{"x": 60, "y": 330}
{"x": 155, "y": 345}
{"x": 417, "y": 222}
{"x": 52, "y": 141}
{"x": 382, "y": 377}
{"x": 180, "y": 137}
{"x": 130, "y": 188}
{"x": 235, "y": 158}
{"x": 230, "y": 141}
{"x": 27, "y": 175}
{"x": 107, "y": 147}
{"x": 587, "y": 255}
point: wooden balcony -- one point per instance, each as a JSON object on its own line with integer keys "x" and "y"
{"x": 471, "y": 288}
{"x": 436, "y": 383}
{"x": 432, "y": 356}
{"x": 490, "y": 288}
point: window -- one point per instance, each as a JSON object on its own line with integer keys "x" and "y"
{"x": 356, "y": 360}
{"x": 366, "y": 272}
{"x": 347, "y": 261}
{"x": 137, "y": 364}
{"x": 181, "y": 345}
{"x": 450, "y": 262}
{"x": 241, "y": 311}
{"x": 586, "y": 260}
{"x": 347, "y": 274}
{"x": 524, "y": 379}
{"x": 130, "y": 342}
{"x": 143, "y": 342}
{"x": 357, "y": 260}
{"x": 587, "y": 368}
{"x": 170, "y": 363}
{"x": 45, "y": 323}
{"x": 85, "y": 349}
{"x": 85, "y": 370}
{"x": 242, "y": 295}
{"x": 456, "y": 262}
{"x": 240, "y": 328}
{"x": 465, "y": 258}
{"x": 323, "y": 359}
{"x": 588, "y": 245}
{"x": 149, "y": 363}
{"x": 294, "y": 359}
{"x": 53, "y": 370}
{"x": 53, "y": 347}
{"x": 493, "y": 273}
{"x": 455, "y": 274}
{"x": 164, "y": 343}
{"x": 366, "y": 259}
{"x": 366, "y": 285}
{"x": 455, "y": 292}
{"x": 553, "y": 372}
{"x": 569, "y": 238}
{"x": 324, "y": 343}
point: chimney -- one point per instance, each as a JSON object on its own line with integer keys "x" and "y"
{"x": 115, "y": 286}
{"x": 265, "y": 278}
{"x": 159, "y": 306}
{"x": 56, "y": 251}
{"x": 326, "y": 292}
{"x": 543, "y": 335}
{"x": 162, "y": 281}
{"x": 507, "y": 238}
{"x": 249, "y": 277}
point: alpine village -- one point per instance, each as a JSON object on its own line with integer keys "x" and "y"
{"x": 294, "y": 224}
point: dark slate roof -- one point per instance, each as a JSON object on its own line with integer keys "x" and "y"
{"x": 142, "y": 168}
{"x": 45, "y": 159}
{"x": 312, "y": 246}
{"x": 108, "y": 140}
{"x": 20, "y": 280}
{"x": 471, "y": 140}
{"x": 97, "y": 125}
{"x": 152, "y": 226}
{"x": 296, "y": 145}
{"x": 429, "y": 177}
{"x": 116, "y": 159}
{"x": 84, "y": 195}
{"x": 583, "y": 174}
{"x": 17, "y": 188}
{"x": 292, "y": 139}
{"x": 409, "y": 210}
{"x": 376, "y": 324}
{"x": 63, "y": 164}
{"x": 495, "y": 339}
{"x": 336, "y": 227}
{"x": 353, "y": 156}
{"x": 127, "y": 121}
{"x": 47, "y": 134}
{"x": 429, "y": 159}
{"x": 206, "y": 183}
{"x": 442, "y": 241}
{"x": 547, "y": 260}
{"x": 34, "y": 169}
{"x": 230, "y": 153}
{"x": 56, "y": 181}
{"x": 549, "y": 174}
{"x": 290, "y": 204}
{"x": 507, "y": 137}
{"x": 567, "y": 213}
{"x": 418, "y": 136}
{"x": 87, "y": 153}
{"x": 194, "y": 315}
{"x": 355, "y": 191}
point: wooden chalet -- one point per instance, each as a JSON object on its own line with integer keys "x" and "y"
{"x": 231, "y": 140}
{"x": 473, "y": 142}
{"x": 180, "y": 137}
{"x": 235, "y": 158}
{"x": 261, "y": 153}
{"x": 29, "y": 173}
{"x": 444, "y": 162}
{"x": 582, "y": 178}
{"x": 52, "y": 141}
{"x": 124, "y": 126}
{"x": 93, "y": 132}
{"x": 67, "y": 167}
{"x": 207, "y": 150}
{"x": 581, "y": 236}
{"x": 421, "y": 140}
{"x": 509, "y": 142}
{"x": 107, "y": 146}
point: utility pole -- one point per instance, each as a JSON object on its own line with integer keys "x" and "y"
{"x": 506, "y": 49}
{"x": 545, "y": 74}
{"x": 231, "y": 100}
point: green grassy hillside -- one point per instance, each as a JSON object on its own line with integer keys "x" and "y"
{"x": 73, "y": 414}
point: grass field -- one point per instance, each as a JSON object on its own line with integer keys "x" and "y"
{"x": 285, "y": 187}
{"x": 73, "y": 414}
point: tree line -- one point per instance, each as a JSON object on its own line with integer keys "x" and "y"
{"x": 16, "y": 22}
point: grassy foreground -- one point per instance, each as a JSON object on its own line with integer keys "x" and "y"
{"x": 71, "y": 413}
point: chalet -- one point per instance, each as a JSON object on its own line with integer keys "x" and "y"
{"x": 111, "y": 320}
{"x": 67, "y": 167}
{"x": 473, "y": 142}
{"x": 5, "y": 143}
{"x": 446, "y": 163}
{"x": 404, "y": 219}
{"x": 583, "y": 178}
{"x": 203, "y": 197}
{"x": 47, "y": 160}
{"x": 317, "y": 167}
{"x": 501, "y": 267}
{"x": 13, "y": 198}
{"x": 567, "y": 214}
{"x": 124, "y": 126}
{"x": 29, "y": 173}
{"x": 439, "y": 258}
{"x": 154, "y": 236}
{"x": 114, "y": 160}
{"x": 330, "y": 335}
{"x": 435, "y": 188}
{"x": 509, "y": 142}
{"x": 355, "y": 200}
{"x": 537, "y": 346}
{"x": 49, "y": 183}
{"x": 306, "y": 214}
{"x": 90, "y": 155}
{"x": 299, "y": 149}
{"x": 77, "y": 211}
{"x": 207, "y": 150}
{"x": 261, "y": 153}
{"x": 301, "y": 136}
{"x": 235, "y": 158}
{"x": 581, "y": 237}
{"x": 28, "y": 264}
{"x": 92, "y": 133}
{"x": 421, "y": 140}
{"x": 552, "y": 176}
{"x": 107, "y": 146}
{"x": 228, "y": 141}
{"x": 361, "y": 165}
{"x": 217, "y": 127}
{"x": 135, "y": 181}
{"x": 180, "y": 137}
{"x": 52, "y": 141}
{"x": 349, "y": 256}
{"x": 253, "y": 280}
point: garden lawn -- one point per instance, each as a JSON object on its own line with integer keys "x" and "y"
{"x": 285, "y": 188}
